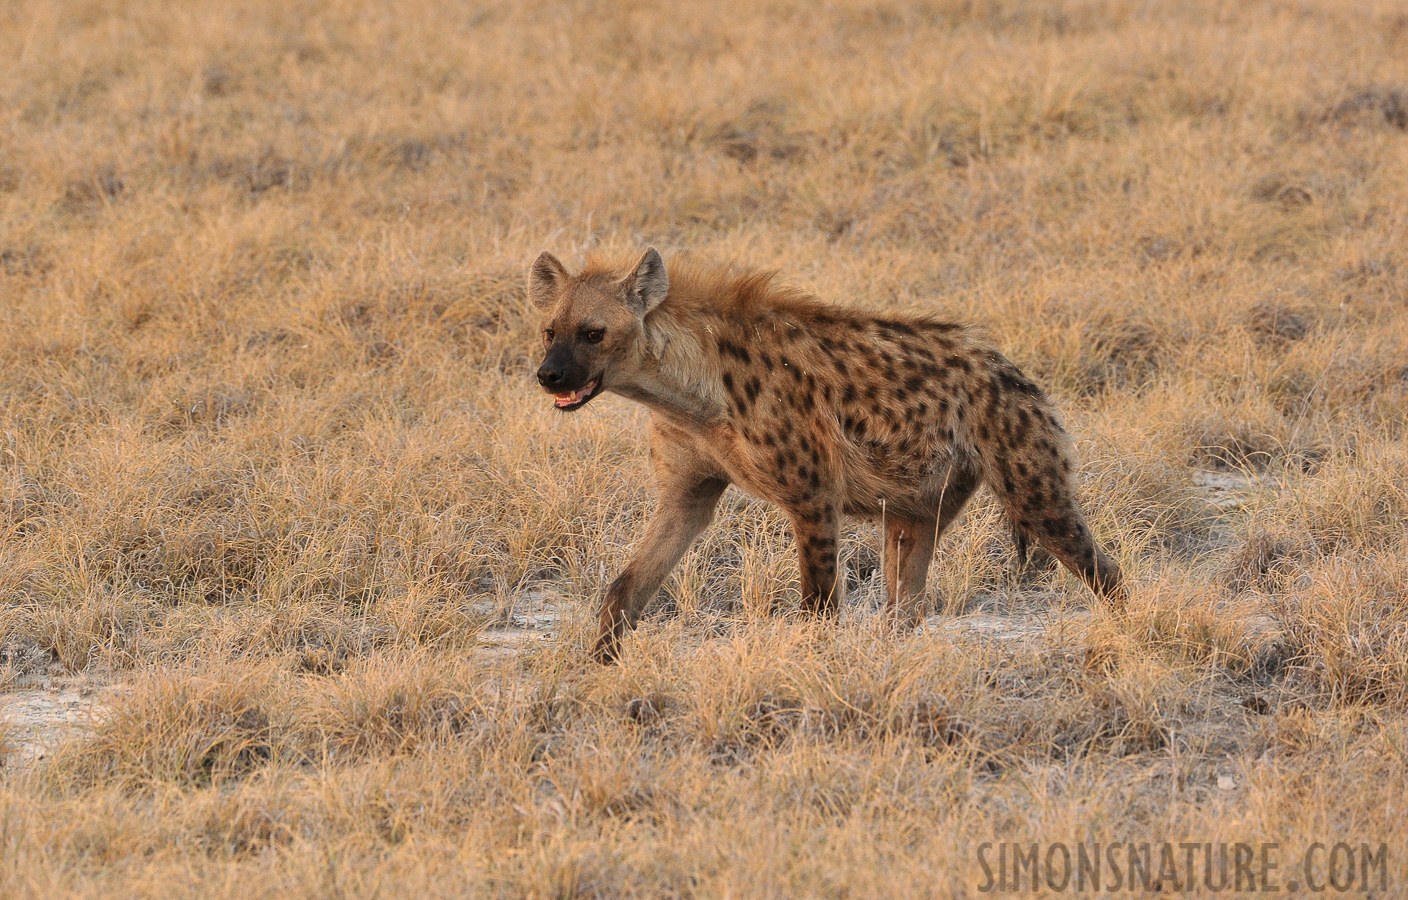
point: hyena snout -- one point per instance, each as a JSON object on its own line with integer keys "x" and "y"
{"x": 570, "y": 382}
{"x": 550, "y": 375}
{"x": 560, "y": 372}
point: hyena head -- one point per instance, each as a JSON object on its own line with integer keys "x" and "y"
{"x": 593, "y": 324}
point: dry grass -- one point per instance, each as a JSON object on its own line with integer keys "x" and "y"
{"x": 269, "y": 453}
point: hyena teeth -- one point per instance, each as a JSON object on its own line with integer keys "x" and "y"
{"x": 578, "y": 396}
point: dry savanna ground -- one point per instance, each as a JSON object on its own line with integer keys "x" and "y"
{"x": 298, "y": 569}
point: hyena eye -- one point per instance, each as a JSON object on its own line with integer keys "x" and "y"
{"x": 547, "y": 335}
{"x": 595, "y": 335}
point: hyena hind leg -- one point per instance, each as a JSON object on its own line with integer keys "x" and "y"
{"x": 909, "y": 548}
{"x": 817, "y": 529}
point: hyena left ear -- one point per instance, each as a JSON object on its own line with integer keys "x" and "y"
{"x": 648, "y": 284}
{"x": 545, "y": 279}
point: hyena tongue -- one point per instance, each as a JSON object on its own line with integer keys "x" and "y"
{"x": 575, "y": 396}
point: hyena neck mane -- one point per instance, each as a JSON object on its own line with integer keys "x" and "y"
{"x": 672, "y": 375}
{"x": 677, "y": 372}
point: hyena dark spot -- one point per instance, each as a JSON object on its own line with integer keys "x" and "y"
{"x": 921, "y": 410}
{"x": 849, "y": 394}
{"x": 814, "y": 478}
{"x": 893, "y": 326}
{"x": 728, "y": 382}
{"x": 913, "y": 383}
{"x": 1015, "y": 382}
{"x": 826, "y": 392}
{"x": 767, "y": 360}
{"x": 752, "y": 389}
{"x": 841, "y": 367}
{"x": 994, "y": 392}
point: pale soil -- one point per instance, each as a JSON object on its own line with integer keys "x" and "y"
{"x": 38, "y": 712}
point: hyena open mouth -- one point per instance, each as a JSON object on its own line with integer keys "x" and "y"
{"x": 576, "y": 399}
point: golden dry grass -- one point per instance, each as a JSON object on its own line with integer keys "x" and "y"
{"x": 271, "y": 458}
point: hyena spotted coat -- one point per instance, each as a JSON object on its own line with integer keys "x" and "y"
{"x": 823, "y": 410}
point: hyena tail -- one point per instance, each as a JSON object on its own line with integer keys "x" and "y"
{"x": 1028, "y": 464}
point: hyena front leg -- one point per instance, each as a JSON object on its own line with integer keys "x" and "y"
{"x": 685, "y": 508}
{"x": 816, "y": 528}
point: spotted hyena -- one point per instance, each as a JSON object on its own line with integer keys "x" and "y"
{"x": 823, "y": 410}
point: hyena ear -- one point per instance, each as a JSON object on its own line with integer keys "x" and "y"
{"x": 648, "y": 284}
{"x": 545, "y": 279}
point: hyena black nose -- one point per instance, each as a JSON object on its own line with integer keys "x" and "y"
{"x": 549, "y": 375}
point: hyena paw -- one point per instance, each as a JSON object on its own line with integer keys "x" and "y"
{"x": 607, "y": 650}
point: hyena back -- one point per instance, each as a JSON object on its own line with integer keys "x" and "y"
{"x": 823, "y": 410}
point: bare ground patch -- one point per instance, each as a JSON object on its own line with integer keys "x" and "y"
{"x": 38, "y": 712}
